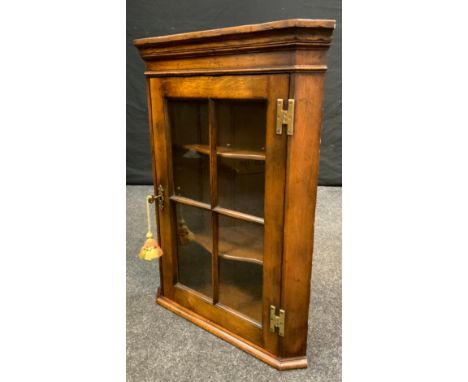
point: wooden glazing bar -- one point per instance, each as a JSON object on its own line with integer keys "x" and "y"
{"x": 212, "y": 130}
{"x": 190, "y": 202}
{"x": 215, "y": 257}
{"x": 239, "y": 215}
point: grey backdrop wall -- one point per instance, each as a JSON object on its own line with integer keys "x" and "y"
{"x": 160, "y": 17}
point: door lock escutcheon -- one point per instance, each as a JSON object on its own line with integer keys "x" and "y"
{"x": 159, "y": 197}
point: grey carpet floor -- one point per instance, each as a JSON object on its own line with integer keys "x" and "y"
{"x": 164, "y": 347}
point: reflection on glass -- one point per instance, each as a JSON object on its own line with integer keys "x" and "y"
{"x": 240, "y": 266}
{"x": 241, "y": 124}
{"x": 241, "y": 155}
{"x": 241, "y": 185}
{"x": 194, "y": 245}
{"x": 190, "y": 160}
{"x": 240, "y": 287}
{"x": 240, "y": 239}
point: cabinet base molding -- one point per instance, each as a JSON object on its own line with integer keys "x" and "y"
{"x": 257, "y": 352}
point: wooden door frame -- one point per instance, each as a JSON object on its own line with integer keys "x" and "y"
{"x": 195, "y": 306}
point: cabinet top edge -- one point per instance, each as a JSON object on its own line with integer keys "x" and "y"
{"x": 317, "y": 24}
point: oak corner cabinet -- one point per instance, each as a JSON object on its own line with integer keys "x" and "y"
{"x": 234, "y": 116}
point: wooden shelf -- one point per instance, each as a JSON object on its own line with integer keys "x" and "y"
{"x": 242, "y": 245}
{"x": 228, "y": 152}
{"x": 202, "y": 149}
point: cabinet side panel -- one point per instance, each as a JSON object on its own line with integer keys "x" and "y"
{"x": 301, "y": 192}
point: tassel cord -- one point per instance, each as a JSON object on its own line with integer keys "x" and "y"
{"x": 148, "y": 214}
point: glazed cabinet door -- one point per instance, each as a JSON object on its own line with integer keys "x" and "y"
{"x": 221, "y": 165}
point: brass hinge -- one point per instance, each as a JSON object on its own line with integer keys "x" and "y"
{"x": 285, "y": 117}
{"x": 277, "y": 321}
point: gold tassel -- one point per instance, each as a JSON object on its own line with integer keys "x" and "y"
{"x": 150, "y": 250}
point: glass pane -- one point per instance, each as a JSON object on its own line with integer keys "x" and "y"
{"x": 241, "y": 124}
{"x": 190, "y": 160}
{"x": 241, "y": 185}
{"x": 194, "y": 245}
{"x": 240, "y": 266}
{"x": 241, "y": 155}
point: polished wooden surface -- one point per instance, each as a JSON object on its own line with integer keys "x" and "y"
{"x": 282, "y": 46}
{"x": 228, "y": 152}
{"x": 240, "y": 342}
{"x": 240, "y": 245}
{"x": 254, "y": 66}
{"x": 301, "y": 192}
{"x": 213, "y": 133}
{"x": 266, "y": 88}
{"x": 224, "y": 33}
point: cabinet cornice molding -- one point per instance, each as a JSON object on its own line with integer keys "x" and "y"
{"x": 285, "y": 35}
